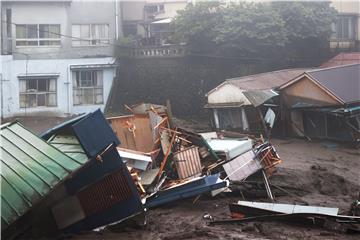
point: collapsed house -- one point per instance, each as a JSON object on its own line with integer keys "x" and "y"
{"x": 169, "y": 163}
{"x": 240, "y": 104}
{"x": 101, "y": 193}
{"x": 31, "y": 170}
{"x": 324, "y": 104}
{"x": 73, "y": 181}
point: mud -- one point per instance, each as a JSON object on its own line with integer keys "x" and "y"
{"x": 310, "y": 172}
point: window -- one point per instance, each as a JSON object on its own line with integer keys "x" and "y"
{"x": 37, "y": 92}
{"x": 90, "y": 34}
{"x": 344, "y": 28}
{"x": 38, "y": 35}
{"x": 152, "y": 9}
{"x": 87, "y": 87}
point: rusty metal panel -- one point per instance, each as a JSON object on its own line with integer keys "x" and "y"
{"x": 105, "y": 193}
{"x": 188, "y": 162}
{"x": 134, "y": 131}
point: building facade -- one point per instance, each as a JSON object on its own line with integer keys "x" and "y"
{"x": 57, "y": 56}
{"x": 149, "y": 18}
{"x": 346, "y": 30}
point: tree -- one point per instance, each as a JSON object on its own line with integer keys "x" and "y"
{"x": 276, "y": 29}
{"x": 195, "y": 25}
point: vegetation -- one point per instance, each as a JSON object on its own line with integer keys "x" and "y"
{"x": 277, "y": 29}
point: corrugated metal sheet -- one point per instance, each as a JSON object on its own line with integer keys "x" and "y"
{"x": 30, "y": 168}
{"x": 69, "y": 145}
{"x": 188, "y": 163}
{"x": 189, "y": 189}
{"x": 258, "y": 97}
{"x": 289, "y": 208}
{"x": 342, "y": 81}
{"x": 268, "y": 80}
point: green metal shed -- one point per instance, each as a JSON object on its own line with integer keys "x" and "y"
{"x": 30, "y": 169}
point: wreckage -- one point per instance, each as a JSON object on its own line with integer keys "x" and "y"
{"x": 78, "y": 176}
{"x": 73, "y": 181}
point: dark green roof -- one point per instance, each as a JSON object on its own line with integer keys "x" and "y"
{"x": 30, "y": 169}
{"x": 69, "y": 145}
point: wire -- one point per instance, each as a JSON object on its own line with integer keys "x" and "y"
{"x": 190, "y": 54}
{"x": 55, "y": 33}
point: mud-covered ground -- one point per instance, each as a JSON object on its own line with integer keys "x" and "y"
{"x": 311, "y": 172}
{"x": 317, "y": 173}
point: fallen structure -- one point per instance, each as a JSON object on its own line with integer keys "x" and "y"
{"x": 324, "y": 217}
{"x": 181, "y": 163}
{"x": 103, "y": 192}
{"x": 94, "y": 180}
{"x": 73, "y": 181}
{"x": 32, "y": 175}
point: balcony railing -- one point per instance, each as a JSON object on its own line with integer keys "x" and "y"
{"x": 172, "y": 50}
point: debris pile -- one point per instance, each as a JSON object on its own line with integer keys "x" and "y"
{"x": 178, "y": 163}
{"x": 79, "y": 176}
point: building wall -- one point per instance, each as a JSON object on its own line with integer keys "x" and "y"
{"x": 307, "y": 92}
{"x": 65, "y": 14}
{"x": 11, "y": 69}
{"x": 227, "y": 93}
{"x": 347, "y": 7}
{"x": 133, "y": 12}
{"x": 30, "y": 60}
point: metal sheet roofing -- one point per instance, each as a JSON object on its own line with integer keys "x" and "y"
{"x": 268, "y": 80}
{"x": 30, "y": 169}
{"x": 258, "y": 97}
{"x": 342, "y": 59}
{"x": 69, "y": 145}
{"x": 342, "y": 81}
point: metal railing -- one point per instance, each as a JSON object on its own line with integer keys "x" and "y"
{"x": 172, "y": 50}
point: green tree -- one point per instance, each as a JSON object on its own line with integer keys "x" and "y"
{"x": 276, "y": 29}
{"x": 195, "y": 25}
{"x": 250, "y": 29}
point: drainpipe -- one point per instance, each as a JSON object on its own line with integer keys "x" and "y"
{"x": 68, "y": 88}
{"x": 116, "y": 20}
{"x": 2, "y": 99}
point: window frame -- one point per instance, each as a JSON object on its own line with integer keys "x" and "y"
{"x": 78, "y": 88}
{"x": 160, "y": 8}
{"x": 90, "y": 39}
{"x": 351, "y": 36}
{"x": 39, "y": 39}
{"x": 37, "y": 92}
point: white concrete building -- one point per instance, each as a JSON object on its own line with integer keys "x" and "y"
{"x": 56, "y": 56}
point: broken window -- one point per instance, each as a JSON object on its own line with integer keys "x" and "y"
{"x": 87, "y": 87}
{"x": 38, "y": 35}
{"x": 37, "y": 92}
